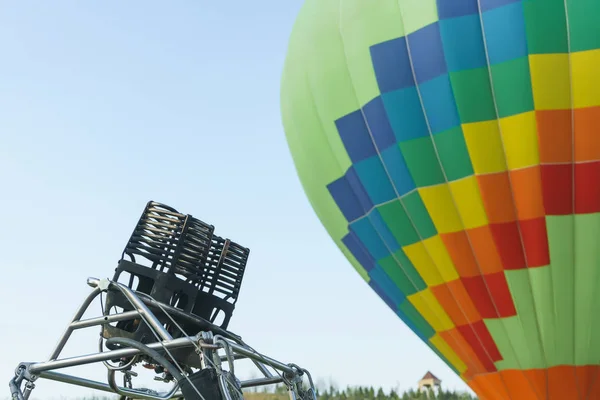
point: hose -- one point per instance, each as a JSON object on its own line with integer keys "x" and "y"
{"x": 149, "y": 352}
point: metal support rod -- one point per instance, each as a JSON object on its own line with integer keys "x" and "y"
{"x": 67, "y": 333}
{"x": 75, "y": 380}
{"x": 88, "y": 383}
{"x": 109, "y": 355}
{"x": 262, "y": 369}
{"x": 258, "y": 357}
{"x": 91, "y": 384}
{"x": 261, "y": 381}
{"x": 143, "y": 310}
{"x": 29, "y": 386}
{"x": 104, "y": 320}
{"x": 235, "y": 357}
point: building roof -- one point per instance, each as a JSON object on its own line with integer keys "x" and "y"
{"x": 429, "y": 375}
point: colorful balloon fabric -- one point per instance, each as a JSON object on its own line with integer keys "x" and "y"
{"x": 451, "y": 148}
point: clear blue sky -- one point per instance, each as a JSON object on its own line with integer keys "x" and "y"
{"x": 105, "y": 105}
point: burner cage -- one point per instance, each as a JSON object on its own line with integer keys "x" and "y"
{"x": 179, "y": 262}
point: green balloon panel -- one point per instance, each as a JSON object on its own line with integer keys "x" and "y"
{"x": 451, "y": 148}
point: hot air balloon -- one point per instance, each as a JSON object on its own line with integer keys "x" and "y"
{"x": 451, "y": 148}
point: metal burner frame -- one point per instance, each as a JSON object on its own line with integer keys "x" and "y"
{"x": 210, "y": 346}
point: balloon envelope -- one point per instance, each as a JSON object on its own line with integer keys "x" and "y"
{"x": 451, "y": 149}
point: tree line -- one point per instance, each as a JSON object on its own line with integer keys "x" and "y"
{"x": 279, "y": 392}
{"x": 369, "y": 393}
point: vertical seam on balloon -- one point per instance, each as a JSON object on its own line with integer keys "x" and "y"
{"x": 314, "y": 106}
{"x": 490, "y": 75}
{"x": 320, "y": 118}
{"x": 452, "y": 196}
{"x": 371, "y": 136}
{"x": 397, "y": 194}
{"x": 463, "y": 226}
{"x": 512, "y": 195}
{"x": 401, "y": 202}
{"x": 572, "y": 101}
{"x": 547, "y": 236}
{"x": 460, "y": 217}
{"x": 461, "y": 220}
{"x": 548, "y": 239}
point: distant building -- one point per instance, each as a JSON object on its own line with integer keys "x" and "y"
{"x": 429, "y": 381}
